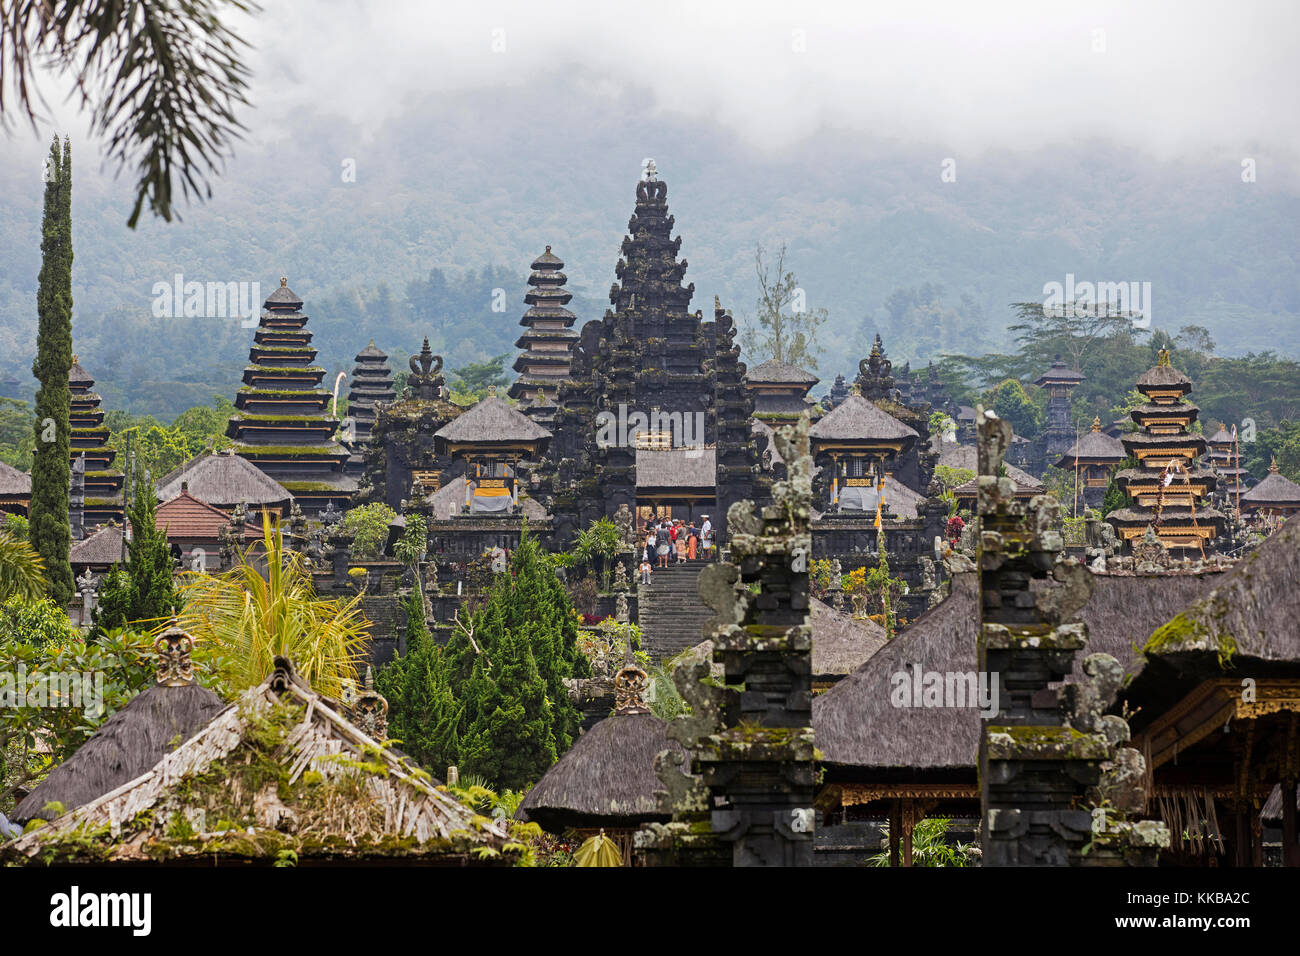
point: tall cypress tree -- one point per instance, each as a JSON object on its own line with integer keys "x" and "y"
{"x": 49, "y": 528}
{"x": 145, "y": 590}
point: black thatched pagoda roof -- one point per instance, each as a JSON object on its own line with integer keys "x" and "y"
{"x": 1276, "y": 489}
{"x": 492, "y": 420}
{"x": 1059, "y": 373}
{"x": 1161, "y": 377}
{"x": 283, "y": 297}
{"x": 855, "y": 418}
{"x": 607, "y": 777}
{"x": 773, "y": 372}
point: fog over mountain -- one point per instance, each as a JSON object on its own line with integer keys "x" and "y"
{"x": 1117, "y": 166}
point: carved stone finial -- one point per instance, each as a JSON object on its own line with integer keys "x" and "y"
{"x": 284, "y": 281}
{"x": 1096, "y": 423}
{"x": 370, "y": 712}
{"x": 629, "y": 691}
{"x": 175, "y": 668}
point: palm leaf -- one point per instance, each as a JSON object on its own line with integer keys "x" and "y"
{"x": 22, "y": 572}
{"x": 242, "y": 621}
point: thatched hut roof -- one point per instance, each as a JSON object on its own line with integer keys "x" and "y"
{"x": 606, "y": 779}
{"x": 856, "y": 725}
{"x": 224, "y": 480}
{"x": 126, "y": 745}
{"x": 841, "y": 643}
{"x": 1275, "y": 489}
{"x": 280, "y": 771}
{"x": 1248, "y": 619}
{"x": 14, "y": 483}
{"x": 491, "y": 420}
{"x": 855, "y": 418}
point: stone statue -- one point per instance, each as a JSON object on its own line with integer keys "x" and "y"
{"x": 626, "y": 524}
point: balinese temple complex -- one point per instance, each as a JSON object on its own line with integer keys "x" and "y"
{"x": 283, "y": 423}
{"x": 1169, "y": 489}
{"x": 89, "y": 441}
{"x": 648, "y": 413}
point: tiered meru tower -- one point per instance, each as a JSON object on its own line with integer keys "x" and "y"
{"x": 1060, "y": 382}
{"x": 371, "y": 385}
{"x": 1224, "y": 457}
{"x": 547, "y": 341}
{"x": 89, "y": 438}
{"x": 282, "y": 424}
{"x": 649, "y": 362}
{"x": 1169, "y": 490}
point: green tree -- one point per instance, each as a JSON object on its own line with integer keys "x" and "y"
{"x": 16, "y": 432}
{"x": 494, "y": 700}
{"x": 144, "y": 591}
{"x": 472, "y": 380}
{"x": 367, "y": 525}
{"x": 51, "y": 533}
{"x": 509, "y": 736}
{"x": 34, "y": 738}
{"x": 423, "y": 711}
{"x": 785, "y": 330}
{"x": 1014, "y": 404}
{"x": 1115, "y": 498}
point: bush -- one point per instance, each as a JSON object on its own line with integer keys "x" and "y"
{"x": 367, "y": 526}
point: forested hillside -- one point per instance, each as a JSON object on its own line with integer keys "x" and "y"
{"x": 456, "y": 198}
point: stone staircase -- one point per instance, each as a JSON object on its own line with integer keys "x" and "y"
{"x": 672, "y": 616}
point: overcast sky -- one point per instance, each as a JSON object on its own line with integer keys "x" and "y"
{"x": 1167, "y": 77}
{"x": 1175, "y": 79}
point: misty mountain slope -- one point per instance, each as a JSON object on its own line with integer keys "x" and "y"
{"x": 476, "y": 184}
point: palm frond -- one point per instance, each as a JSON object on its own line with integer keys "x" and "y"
{"x": 22, "y": 572}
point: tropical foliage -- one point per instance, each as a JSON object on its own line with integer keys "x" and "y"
{"x": 367, "y": 527}
{"x": 242, "y": 620}
{"x": 144, "y": 592}
{"x": 37, "y": 735}
{"x": 22, "y": 572}
{"x": 930, "y": 846}
{"x": 494, "y": 700}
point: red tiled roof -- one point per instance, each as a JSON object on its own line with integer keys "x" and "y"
{"x": 186, "y": 517}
